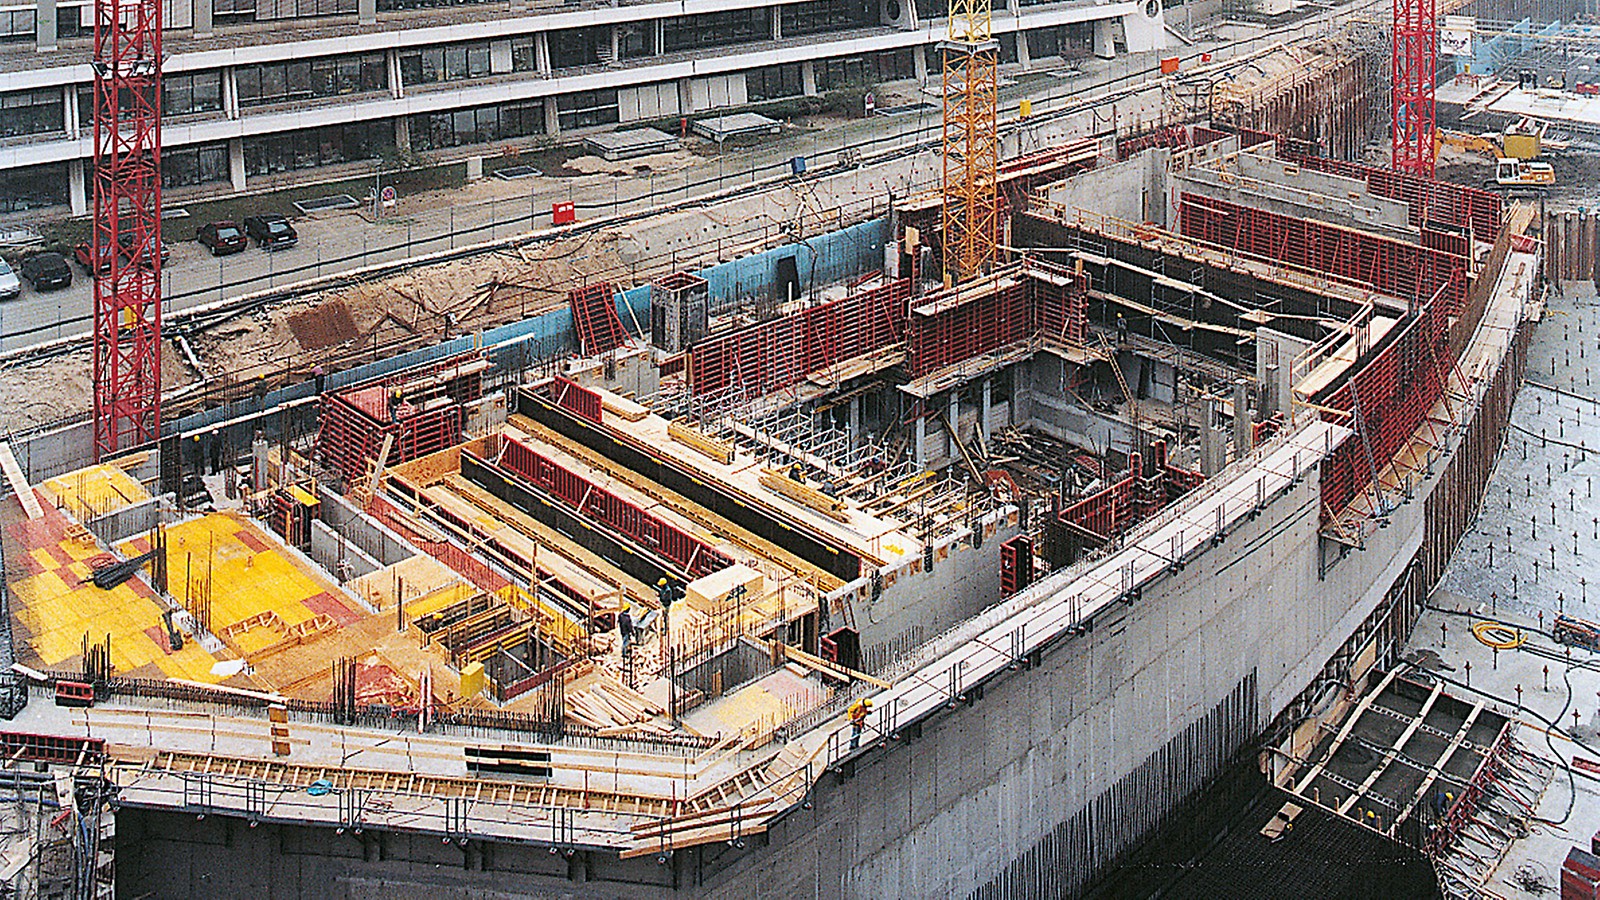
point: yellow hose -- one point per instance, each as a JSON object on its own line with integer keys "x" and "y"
{"x": 1500, "y": 637}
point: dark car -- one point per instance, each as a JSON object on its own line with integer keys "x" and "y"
{"x": 95, "y": 257}
{"x": 125, "y": 239}
{"x": 222, "y": 238}
{"x": 46, "y": 271}
{"x": 272, "y": 231}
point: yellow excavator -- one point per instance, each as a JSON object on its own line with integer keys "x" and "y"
{"x": 1513, "y": 151}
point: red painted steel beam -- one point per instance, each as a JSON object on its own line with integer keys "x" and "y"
{"x": 126, "y": 231}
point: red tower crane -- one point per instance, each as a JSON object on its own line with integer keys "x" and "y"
{"x": 127, "y": 224}
{"x": 1416, "y": 54}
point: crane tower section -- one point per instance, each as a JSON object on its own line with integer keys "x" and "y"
{"x": 125, "y": 245}
{"x": 971, "y": 147}
{"x": 1416, "y": 46}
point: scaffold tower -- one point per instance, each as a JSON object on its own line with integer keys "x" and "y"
{"x": 1416, "y": 43}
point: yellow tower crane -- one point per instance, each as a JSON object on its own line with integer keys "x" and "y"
{"x": 971, "y": 151}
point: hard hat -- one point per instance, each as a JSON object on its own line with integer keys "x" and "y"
{"x": 661, "y": 583}
{"x": 866, "y": 703}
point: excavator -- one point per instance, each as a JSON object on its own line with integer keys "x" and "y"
{"x": 1513, "y": 151}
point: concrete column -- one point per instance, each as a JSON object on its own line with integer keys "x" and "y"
{"x": 1104, "y": 40}
{"x": 230, "y": 92}
{"x": 541, "y": 52}
{"x": 397, "y": 85}
{"x": 922, "y": 439}
{"x": 367, "y": 12}
{"x": 777, "y": 23}
{"x": 1024, "y": 59}
{"x": 855, "y": 418}
{"x": 236, "y": 163}
{"x": 71, "y": 116}
{"x": 44, "y": 23}
{"x": 402, "y": 134}
{"x": 77, "y": 187}
{"x": 808, "y": 78}
{"x": 955, "y": 423}
{"x": 203, "y": 10}
{"x": 552, "y": 119}
{"x": 919, "y": 62}
{"x": 660, "y": 27}
{"x": 983, "y": 412}
{"x": 686, "y": 97}
{"x": 1241, "y": 419}
{"x": 616, "y": 44}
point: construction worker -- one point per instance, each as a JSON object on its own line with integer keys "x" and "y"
{"x": 796, "y": 473}
{"x": 666, "y": 593}
{"x": 858, "y": 720}
{"x": 625, "y": 626}
{"x": 1122, "y": 328}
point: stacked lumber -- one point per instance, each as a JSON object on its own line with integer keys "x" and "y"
{"x": 611, "y": 708}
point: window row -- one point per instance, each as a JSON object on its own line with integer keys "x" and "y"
{"x": 434, "y": 131}
{"x": 716, "y": 29}
{"x": 817, "y": 16}
{"x": 31, "y": 112}
{"x": 199, "y": 164}
{"x": 305, "y": 79}
{"x": 189, "y": 93}
{"x": 774, "y": 82}
{"x": 450, "y": 62}
{"x": 312, "y": 147}
{"x": 586, "y": 109}
{"x": 866, "y": 69}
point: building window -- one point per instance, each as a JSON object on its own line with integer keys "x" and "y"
{"x": 774, "y": 82}
{"x": 586, "y": 109}
{"x": 198, "y": 92}
{"x": 266, "y": 10}
{"x": 199, "y": 164}
{"x": 719, "y": 29}
{"x": 827, "y": 15}
{"x": 636, "y": 39}
{"x": 17, "y": 25}
{"x": 435, "y": 131}
{"x": 311, "y": 147}
{"x": 231, "y": 11}
{"x": 574, "y": 47}
{"x": 449, "y": 62}
{"x": 524, "y": 53}
{"x": 32, "y": 187}
{"x": 305, "y": 79}
{"x": 31, "y": 112}
{"x": 866, "y": 69}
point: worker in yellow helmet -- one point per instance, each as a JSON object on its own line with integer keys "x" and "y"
{"x": 858, "y": 720}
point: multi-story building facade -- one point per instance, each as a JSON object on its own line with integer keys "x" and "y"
{"x": 262, "y": 91}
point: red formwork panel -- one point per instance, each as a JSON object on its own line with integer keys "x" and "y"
{"x": 944, "y": 332}
{"x": 773, "y": 355}
{"x": 1392, "y": 267}
{"x": 1394, "y": 392}
{"x": 17, "y": 745}
{"x": 594, "y": 502}
{"x": 595, "y": 319}
{"x": 1174, "y": 136}
{"x": 1016, "y": 564}
{"x": 354, "y": 421}
{"x": 575, "y": 398}
{"x": 1058, "y": 300}
{"x": 1430, "y": 200}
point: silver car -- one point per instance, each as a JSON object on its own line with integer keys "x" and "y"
{"x": 10, "y": 285}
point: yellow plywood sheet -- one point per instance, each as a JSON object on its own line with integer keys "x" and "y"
{"x": 95, "y": 491}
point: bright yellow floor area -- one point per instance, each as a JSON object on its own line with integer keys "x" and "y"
{"x": 55, "y": 608}
{"x": 95, "y": 491}
{"x": 249, "y": 574}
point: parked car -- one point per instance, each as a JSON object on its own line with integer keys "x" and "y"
{"x": 271, "y": 231}
{"x": 10, "y": 285}
{"x": 222, "y": 238}
{"x": 95, "y": 257}
{"x": 125, "y": 239}
{"x": 46, "y": 271}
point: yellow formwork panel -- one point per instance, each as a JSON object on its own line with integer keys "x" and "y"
{"x": 249, "y": 573}
{"x": 434, "y": 601}
{"x": 94, "y": 491}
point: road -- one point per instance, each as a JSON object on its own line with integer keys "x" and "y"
{"x": 492, "y": 208}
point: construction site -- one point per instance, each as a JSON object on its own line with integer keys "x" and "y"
{"x": 853, "y": 541}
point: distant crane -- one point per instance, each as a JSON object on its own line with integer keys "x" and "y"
{"x": 127, "y": 224}
{"x": 971, "y": 147}
{"x": 1416, "y": 57}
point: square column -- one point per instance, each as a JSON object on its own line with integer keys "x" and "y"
{"x": 236, "y": 163}
{"x": 983, "y": 413}
{"x": 203, "y": 13}
{"x": 921, "y": 441}
{"x": 367, "y": 12}
{"x": 1024, "y": 56}
{"x": 955, "y": 424}
{"x": 71, "y": 116}
{"x": 44, "y": 22}
{"x": 230, "y": 92}
{"x": 77, "y": 187}
{"x": 1105, "y": 45}
{"x": 397, "y": 85}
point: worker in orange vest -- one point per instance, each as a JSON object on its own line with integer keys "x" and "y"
{"x": 858, "y": 720}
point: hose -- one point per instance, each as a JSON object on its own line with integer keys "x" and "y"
{"x": 1498, "y": 636}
